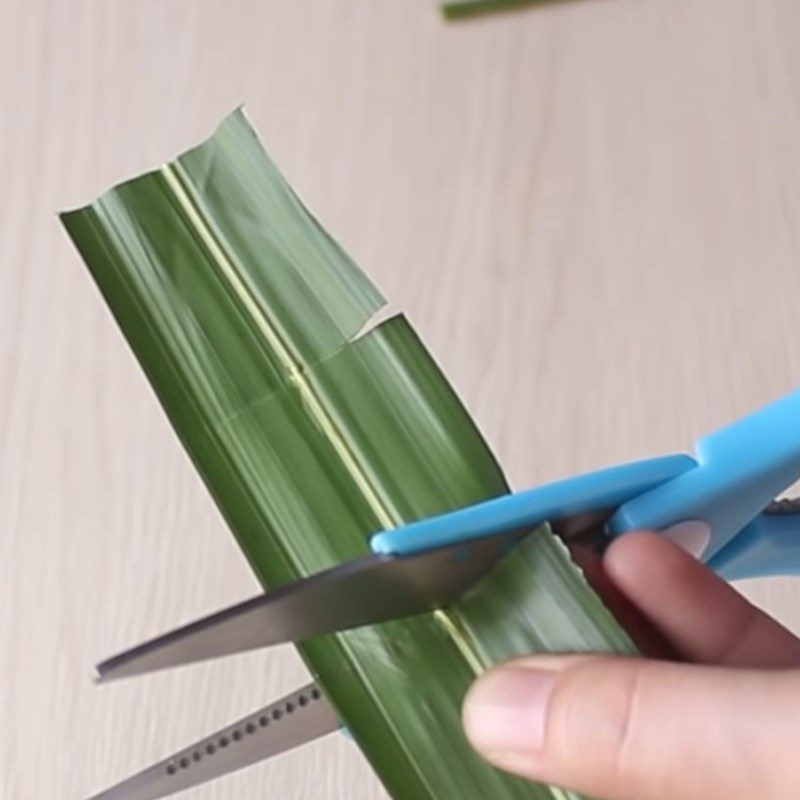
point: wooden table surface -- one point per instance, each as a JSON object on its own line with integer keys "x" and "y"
{"x": 590, "y": 211}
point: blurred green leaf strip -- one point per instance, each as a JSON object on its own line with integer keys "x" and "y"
{"x": 460, "y": 9}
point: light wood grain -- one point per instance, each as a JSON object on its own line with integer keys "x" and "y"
{"x": 590, "y": 212}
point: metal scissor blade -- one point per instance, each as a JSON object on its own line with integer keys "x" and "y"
{"x": 373, "y": 589}
{"x": 294, "y": 720}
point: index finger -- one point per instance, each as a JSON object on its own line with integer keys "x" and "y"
{"x": 705, "y": 619}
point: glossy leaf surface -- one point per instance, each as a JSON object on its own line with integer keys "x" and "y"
{"x": 244, "y": 313}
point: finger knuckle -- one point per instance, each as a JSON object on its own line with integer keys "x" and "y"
{"x": 590, "y": 728}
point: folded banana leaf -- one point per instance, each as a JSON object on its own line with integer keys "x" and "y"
{"x": 247, "y": 318}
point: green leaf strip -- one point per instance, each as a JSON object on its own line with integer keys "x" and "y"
{"x": 245, "y": 315}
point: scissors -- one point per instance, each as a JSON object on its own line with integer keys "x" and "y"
{"x": 726, "y": 490}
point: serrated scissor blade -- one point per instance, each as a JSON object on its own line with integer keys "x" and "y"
{"x": 294, "y": 720}
{"x": 362, "y": 592}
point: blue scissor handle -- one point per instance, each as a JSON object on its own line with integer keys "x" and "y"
{"x": 737, "y": 472}
{"x": 740, "y": 470}
{"x": 769, "y": 545}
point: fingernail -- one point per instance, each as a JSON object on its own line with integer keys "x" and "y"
{"x": 693, "y": 536}
{"x": 505, "y": 711}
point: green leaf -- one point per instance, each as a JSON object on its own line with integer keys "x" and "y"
{"x": 245, "y": 315}
{"x": 459, "y": 9}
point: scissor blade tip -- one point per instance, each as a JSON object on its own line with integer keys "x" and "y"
{"x": 101, "y": 674}
{"x": 106, "y": 672}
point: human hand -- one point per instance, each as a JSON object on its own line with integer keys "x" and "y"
{"x": 721, "y": 723}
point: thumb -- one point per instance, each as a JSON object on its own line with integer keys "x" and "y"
{"x": 629, "y": 729}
